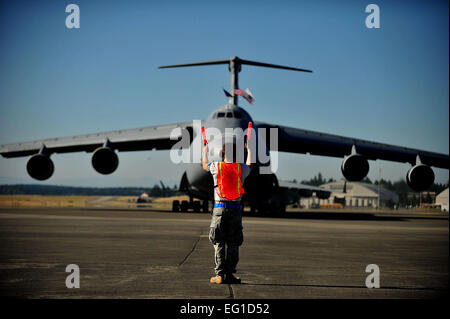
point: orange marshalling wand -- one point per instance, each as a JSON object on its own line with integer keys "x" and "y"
{"x": 204, "y": 136}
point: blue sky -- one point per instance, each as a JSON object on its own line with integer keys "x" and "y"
{"x": 388, "y": 85}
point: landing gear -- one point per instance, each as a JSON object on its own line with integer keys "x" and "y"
{"x": 205, "y": 206}
{"x": 280, "y": 209}
{"x": 194, "y": 205}
{"x": 176, "y": 206}
{"x": 184, "y": 206}
{"x": 266, "y": 208}
{"x": 277, "y": 209}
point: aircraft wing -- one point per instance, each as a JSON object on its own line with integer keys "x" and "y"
{"x": 304, "y": 190}
{"x": 146, "y": 138}
{"x": 294, "y": 140}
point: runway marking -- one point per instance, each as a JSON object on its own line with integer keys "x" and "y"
{"x": 230, "y": 289}
{"x": 192, "y": 250}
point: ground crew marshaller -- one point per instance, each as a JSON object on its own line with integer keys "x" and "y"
{"x": 226, "y": 222}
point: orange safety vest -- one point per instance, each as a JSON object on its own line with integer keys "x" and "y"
{"x": 229, "y": 180}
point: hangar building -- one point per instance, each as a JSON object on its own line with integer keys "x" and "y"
{"x": 442, "y": 199}
{"x": 355, "y": 195}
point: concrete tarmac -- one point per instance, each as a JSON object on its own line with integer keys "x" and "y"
{"x": 151, "y": 254}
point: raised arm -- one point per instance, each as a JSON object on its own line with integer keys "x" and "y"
{"x": 205, "y": 157}
{"x": 249, "y": 156}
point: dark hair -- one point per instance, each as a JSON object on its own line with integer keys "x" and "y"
{"x": 225, "y": 146}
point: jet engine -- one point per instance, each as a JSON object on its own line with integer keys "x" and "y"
{"x": 323, "y": 194}
{"x": 105, "y": 160}
{"x": 420, "y": 177}
{"x": 305, "y": 192}
{"x": 40, "y": 167}
{"x": 355, "y": 167}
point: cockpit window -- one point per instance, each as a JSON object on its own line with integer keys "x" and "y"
{"x": 235, "y": 114}
{"x": 238, "y": 115}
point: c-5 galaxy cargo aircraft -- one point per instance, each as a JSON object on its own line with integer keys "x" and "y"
{"x": 262, "y": 191}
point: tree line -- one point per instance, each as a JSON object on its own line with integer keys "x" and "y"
{"x": 37, "y": 189}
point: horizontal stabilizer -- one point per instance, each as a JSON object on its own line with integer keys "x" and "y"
{"x": 194, "y": 64}
{"x": 234, "y": 66}
{"x": 236, "y": 61}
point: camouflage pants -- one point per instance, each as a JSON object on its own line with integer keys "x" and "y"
{"x": 226, "y": 236}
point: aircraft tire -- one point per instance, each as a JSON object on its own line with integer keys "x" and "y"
{"x": 176, "y": 206}
{"x": 184, "y": 206}
{"x": 196, "y": 206}
{"x": 205, "y": 206}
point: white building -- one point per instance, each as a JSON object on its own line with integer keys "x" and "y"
{"x": 356, "y": 195}
{"x": 442, "y": 199}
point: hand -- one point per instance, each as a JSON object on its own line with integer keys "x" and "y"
{"x": 248, "y": 146}
{"x": 249, "y": 154}
{"x": 204, "y": 157}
